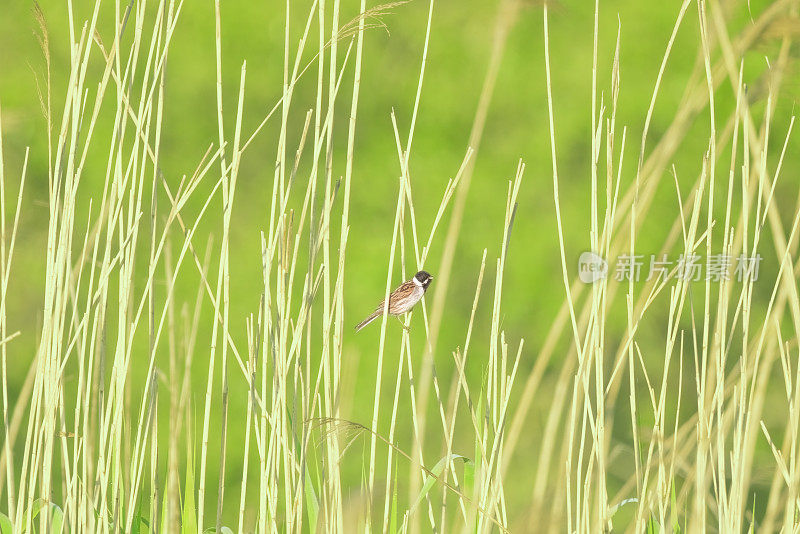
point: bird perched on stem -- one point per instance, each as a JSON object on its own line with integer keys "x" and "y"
{"x": 402, "y": 299}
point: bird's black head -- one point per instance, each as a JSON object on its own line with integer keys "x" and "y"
{"x": 423, "y": 278}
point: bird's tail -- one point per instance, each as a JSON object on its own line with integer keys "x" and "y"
{"x": 372, "y": 316}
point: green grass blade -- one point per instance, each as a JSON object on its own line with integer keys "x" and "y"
{"x": 189, "y": 514}
{"x": 138, "y": 521}
{"x": 32, "y": 512}
{"x": 312, "y": 503}
{"x": 165, "y": 515}
{"x": 57, "y": 523}
{"x": 393, "y": 511}
{"x": 430, "y": 480}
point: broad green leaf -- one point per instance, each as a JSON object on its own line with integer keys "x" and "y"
{"x": 30, "y": 514}
{"x": 56, "y": 517}
{"x": 614, "y": 509}
{"x": 6, "y": 527}
{"x": 469, "y": 477}
{"x": 57, "y": 523}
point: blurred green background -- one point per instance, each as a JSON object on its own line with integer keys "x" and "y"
{"x": 517, "y": 127}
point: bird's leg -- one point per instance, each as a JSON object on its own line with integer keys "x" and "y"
{"x": 406, "y": 328}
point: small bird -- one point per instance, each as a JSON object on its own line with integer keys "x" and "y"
{"x": 402, "y": 299}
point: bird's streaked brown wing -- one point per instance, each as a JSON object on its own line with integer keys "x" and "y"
{"x": 396, "y": 299}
